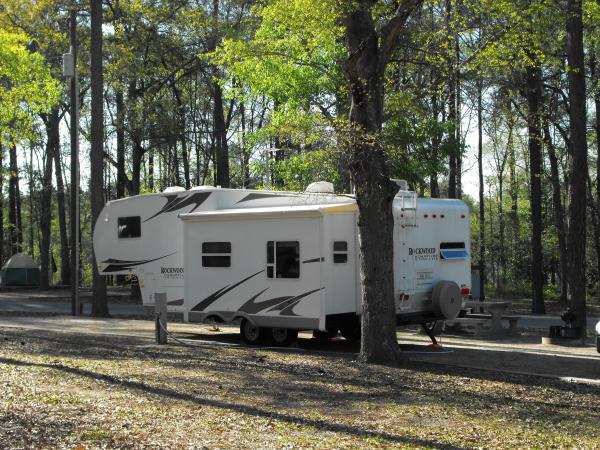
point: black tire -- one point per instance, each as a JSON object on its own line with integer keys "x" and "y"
{"x": 251, "y": 334}
{"x": 282, "y": 337}
{"x": 351, "y": 332}
{"x": 324, "y": 336}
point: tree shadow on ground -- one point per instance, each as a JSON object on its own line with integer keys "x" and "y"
{"x": 320, "y": 424}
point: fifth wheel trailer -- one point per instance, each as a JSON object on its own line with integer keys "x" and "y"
{"x": 161, "y": 237}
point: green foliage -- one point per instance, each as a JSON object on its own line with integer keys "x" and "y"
{"x": 26, "y": 86}
{"x": 414, "y": 139}
{"x": 515, "y": 35}
{"x": 298, "y": 171}
{"x": 293, "y": 54}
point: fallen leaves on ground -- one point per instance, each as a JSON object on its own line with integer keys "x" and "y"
{"x": 68, "y": 390}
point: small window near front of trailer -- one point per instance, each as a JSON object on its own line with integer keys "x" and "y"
{"x": 129, "y": 227}
{"x": 283, "y": 259}
{"x": 340, "y": 252}
{"x": 216, "y": 254}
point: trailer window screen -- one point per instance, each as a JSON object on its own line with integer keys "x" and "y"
{"x": 130, "y": 227}
{"x": 340, "y": 258}
{"x": 283, "y": 259}
{"x": 340, "y": 252}
{"x": 452, "y": 245}
{"x": 216, "y": 254}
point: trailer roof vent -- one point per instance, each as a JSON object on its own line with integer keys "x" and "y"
{"x": 170, "y": 189}
{"x": 201, "y": 188}
{"x": 320, "y": 187}
{"x": 402, "y": 184}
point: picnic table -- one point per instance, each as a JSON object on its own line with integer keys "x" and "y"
{"x": 496, "y": 315}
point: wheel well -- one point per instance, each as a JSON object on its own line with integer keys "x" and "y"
{"x": 214, "y": 318}
{"x": 240, "y": 317}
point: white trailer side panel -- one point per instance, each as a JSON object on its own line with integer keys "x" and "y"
{"x": 245, "y": 289}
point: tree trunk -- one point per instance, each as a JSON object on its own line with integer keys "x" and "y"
{"x": 31, "y": 213}
{"x": 65, "y": 263}
{"x": 14, "y": 201}
{"x": 137, "y": 151}
{"x": 559, "y": 216}
{"x": 481, "y": 193}
{"x": 595, "y": 71}
{"x": 577, "y": 163}
{"x": 120, "y": 128}
{"x": 222, "y": 152}
{"x": 364, "y": 70}
{"x": 245, "y": 153}
{"x": 2, "y": 207}
{"x": 52, "y": 146}
{"x": 452, "y": 112}
{"x": 99, "y": 301}
{"x": 136, "y": 167}
{"x": 182, "y": 136}
{"x": 150, "y": 177}
{"x": 457, "y": 122}
{"x": 533, "y": 93}
{"x": 185, "y": 156}
{"x": 512, "y": 182}
{"x": 434, "y": 187}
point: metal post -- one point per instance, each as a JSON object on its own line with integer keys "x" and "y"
{"x": 160, "y": 310}
{"x": 70, "y": 71}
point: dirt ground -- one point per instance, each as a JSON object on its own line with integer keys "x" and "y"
{"x": 104, "y": 383}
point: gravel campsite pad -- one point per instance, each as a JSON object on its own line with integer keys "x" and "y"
{"x": 68, "y": 390}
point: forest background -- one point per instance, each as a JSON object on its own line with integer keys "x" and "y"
{"x": 246, "y": 94}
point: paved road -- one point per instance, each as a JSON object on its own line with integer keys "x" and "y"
{"x": 546, "y": 321}
{"x": 120, "y": 309}
{"x": 65, "y": 307}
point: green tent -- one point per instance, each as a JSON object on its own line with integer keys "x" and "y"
{"x": 20, "y": 270}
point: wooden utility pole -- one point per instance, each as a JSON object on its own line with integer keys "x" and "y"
{"x": 70, "y": 71}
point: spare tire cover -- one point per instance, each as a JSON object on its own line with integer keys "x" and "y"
{"x": 446, "y": 299}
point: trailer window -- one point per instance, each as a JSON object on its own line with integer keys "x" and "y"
{"x": 129, "y": 227}
{"x": 340, "y": 252}
{"x": 283, "y": 259}
{"x": 216, "y": 254}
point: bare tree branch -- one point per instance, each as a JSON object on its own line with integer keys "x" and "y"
{"x": 392, "y": 29}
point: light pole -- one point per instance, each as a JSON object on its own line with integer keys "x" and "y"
{"x": 70, "y": 72}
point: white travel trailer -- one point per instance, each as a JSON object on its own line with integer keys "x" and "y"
{"x": 280, "y": 261}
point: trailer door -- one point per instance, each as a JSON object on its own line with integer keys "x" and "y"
{"x": 340, "y": 250}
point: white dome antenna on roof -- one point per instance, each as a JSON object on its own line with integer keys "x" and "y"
{"x": 320, "y": 187}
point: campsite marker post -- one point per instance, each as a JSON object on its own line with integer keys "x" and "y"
{"x": 160, "y": 309}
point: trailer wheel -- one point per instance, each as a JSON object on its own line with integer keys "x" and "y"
{"x": 283, "y": 336}
{"x": 351, "y": 332}
{"x": 325, "y": 335}
{"x": 251, "y": 334}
